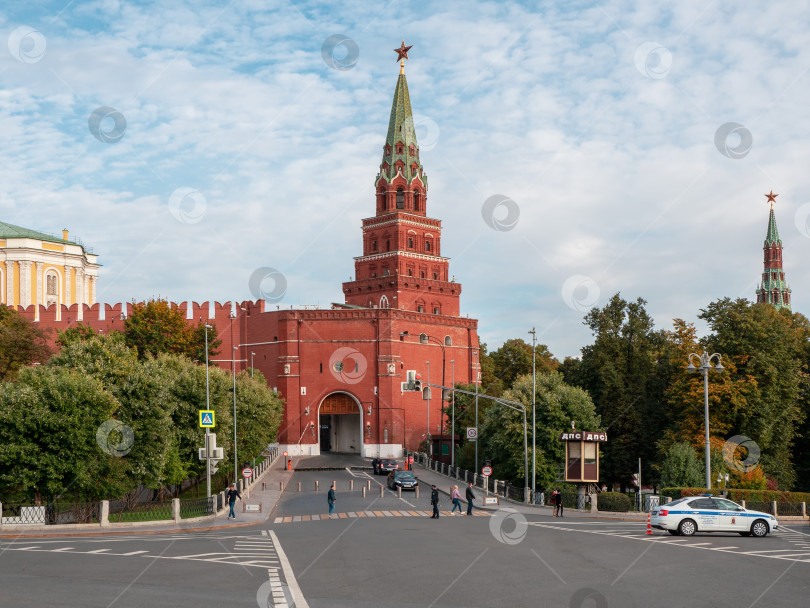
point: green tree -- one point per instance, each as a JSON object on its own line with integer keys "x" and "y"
{"x": 78, "y": 333}
{"x": 156, "y": 327}
{"x": 557, "y": 405}
{"x": 49, "y": 421}
{"x": 623, "y": 373}
{"x": 681, "y": 467}
{"x": 769, "y": 346}
{"x": 21, "y": 343}
{"x": 514, "y": 358}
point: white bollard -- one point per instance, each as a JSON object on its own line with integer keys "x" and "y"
{"x": 382, "y": 491}
{"x": 399, "y": 492}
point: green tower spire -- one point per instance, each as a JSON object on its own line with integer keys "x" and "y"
{"x": 773, "y": 289}
{"x": 401, "y": 151}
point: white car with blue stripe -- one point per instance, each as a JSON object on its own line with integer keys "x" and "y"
{"x": 708, "y": 513}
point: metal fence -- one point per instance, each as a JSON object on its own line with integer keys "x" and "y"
{"x": 124, "y": 510}
{"x": 759, "y": 505}
{"x": 197, "y": 507}
{"x": 789, "y": 508}
{"x": 52, "y": 514}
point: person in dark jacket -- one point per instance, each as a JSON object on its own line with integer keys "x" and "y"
{"x": 558, "y": 506}
{"x": 376, "y": 464}
{"x": 434, "y": 500}
{"x": 330, "y": 498}
{"x": 233, "y": 494}
{"x": 470, "y": 498}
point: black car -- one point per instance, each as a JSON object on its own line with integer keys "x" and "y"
{"x": 387, "y": 465}
{"x": 402, "y": 479}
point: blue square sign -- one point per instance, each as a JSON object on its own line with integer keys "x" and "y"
{"x": 207, "y": 419}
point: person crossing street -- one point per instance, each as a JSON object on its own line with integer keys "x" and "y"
{"x": 434, "y": 500}
{"x": 470, "y": 498}
{"x": 233, "y": 494}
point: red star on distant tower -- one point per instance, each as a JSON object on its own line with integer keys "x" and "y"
{"x": 771, "y": 197}
{"x": 402, "y": 52}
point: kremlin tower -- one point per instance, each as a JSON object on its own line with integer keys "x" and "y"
{"x": 773, "y": 289}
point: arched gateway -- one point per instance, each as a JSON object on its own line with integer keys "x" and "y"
{"x": 341, "y": 425}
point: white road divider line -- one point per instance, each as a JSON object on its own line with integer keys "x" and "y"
{"x": 289, "y": 575}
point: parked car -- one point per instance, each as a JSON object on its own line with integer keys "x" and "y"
{"x": 707, "y": 513}
{"x": 388, "y": 464}
{"x": 402, "y": 479}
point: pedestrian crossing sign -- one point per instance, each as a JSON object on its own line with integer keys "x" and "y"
{"x": 207, "y": 419}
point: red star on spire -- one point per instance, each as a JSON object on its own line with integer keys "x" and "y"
{"x": 771, "y": 197}
{"x": 402, "y": 52}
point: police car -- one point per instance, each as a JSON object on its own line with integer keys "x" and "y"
{"x": 708, "y": 513}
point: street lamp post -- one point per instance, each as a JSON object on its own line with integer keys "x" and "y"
{"x": 207, "y": 430}
{"x": 235, "y": 461}
{"x": 534, "y": 425}
{"x": 477, "y": 434}
{"x": 705, "y": 365}
{"x": 429, "y": 442}
{"x": 453, "y": 417}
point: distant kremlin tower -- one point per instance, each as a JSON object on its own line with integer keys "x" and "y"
{"x": 773, "y": 289}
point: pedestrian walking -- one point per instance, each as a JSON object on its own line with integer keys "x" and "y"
{"x": 330, "y": 498}
{"x": 456, "y": 501}
{"x": 376, "y": 464}
{"x": 470, "y": 497}
{"x": 434, "y": 500}
{"x": 558, "y": 506}
{"x": 233, "y": 494}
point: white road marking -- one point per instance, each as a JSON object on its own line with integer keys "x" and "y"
{"x": 62, "y": 549}
{"x": 289, "y": 575}
{"x": 135, "y": 553}
{"x": 98, "y": 551}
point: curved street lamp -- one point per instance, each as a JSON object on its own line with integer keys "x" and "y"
{"x": 705, "y": 361}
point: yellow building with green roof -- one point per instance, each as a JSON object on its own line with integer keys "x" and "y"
{"x": 40, "y": 268}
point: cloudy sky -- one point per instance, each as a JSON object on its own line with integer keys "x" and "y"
{"x": 628, "y": 146}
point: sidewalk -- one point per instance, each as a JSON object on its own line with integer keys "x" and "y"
{"x": 254, "y": 495}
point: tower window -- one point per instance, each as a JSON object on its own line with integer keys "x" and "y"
{"x": 435, "y": 310}
{"x": 410, "y": 272}
{"x": 435, "y": 275}
{"x": 416, "y": 201}
{"x": 420, "y": 309}
{"x": 400, "y": 199}
{"x": 410, "y": 242}
{"x": 388, "y": 245}
{"x": 374, "y": 245}
{"x": 422, "y": 274}
{"x": 427, "y": 245}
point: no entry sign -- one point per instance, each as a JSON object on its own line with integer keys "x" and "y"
{"x": 247, "y": 472}
{"x": 486, "y": 471}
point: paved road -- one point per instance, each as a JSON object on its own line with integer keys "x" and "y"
{"x": 400, "y": 558}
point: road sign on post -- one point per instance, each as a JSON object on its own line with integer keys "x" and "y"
{"x": 472, "y": 433}
{"x": 486, "y": 471}
{"x": 247, "y": 472}
{"x": 207, "y": 419}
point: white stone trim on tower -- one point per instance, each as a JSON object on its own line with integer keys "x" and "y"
{"x": 39, "y": 296}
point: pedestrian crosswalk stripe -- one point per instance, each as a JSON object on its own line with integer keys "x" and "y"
{"x": 367, "y": 514}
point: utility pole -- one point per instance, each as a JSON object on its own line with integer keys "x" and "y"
{"x": 453, "y": 417}
{"x": 477, "y": 379}
{"x": 534, "y": 424}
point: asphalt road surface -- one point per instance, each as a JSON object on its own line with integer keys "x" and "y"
{"x": 386, "y": 551}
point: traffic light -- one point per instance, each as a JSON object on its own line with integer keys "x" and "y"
{"x": 417, "y": 383}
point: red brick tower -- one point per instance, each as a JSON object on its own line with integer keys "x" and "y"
{"x": 773, "y": 289}
{"x": 401, "y": 266}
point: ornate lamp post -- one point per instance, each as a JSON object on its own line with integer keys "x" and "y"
{"x": 534, "y": 424}
{"x": 705, "y": 365}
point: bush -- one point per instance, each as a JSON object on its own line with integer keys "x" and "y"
{"x": 738, "y": 494}
{"x": 613, "y": 501}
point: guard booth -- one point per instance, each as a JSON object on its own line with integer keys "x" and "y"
{"x": 582, "y": 460}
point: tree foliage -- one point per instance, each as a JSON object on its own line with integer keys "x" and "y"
{"x": 681, "y": 467}
{"x": 156, "y": 327}
{"x": 97, "y": 421}
{"x": 21, "y": 343}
